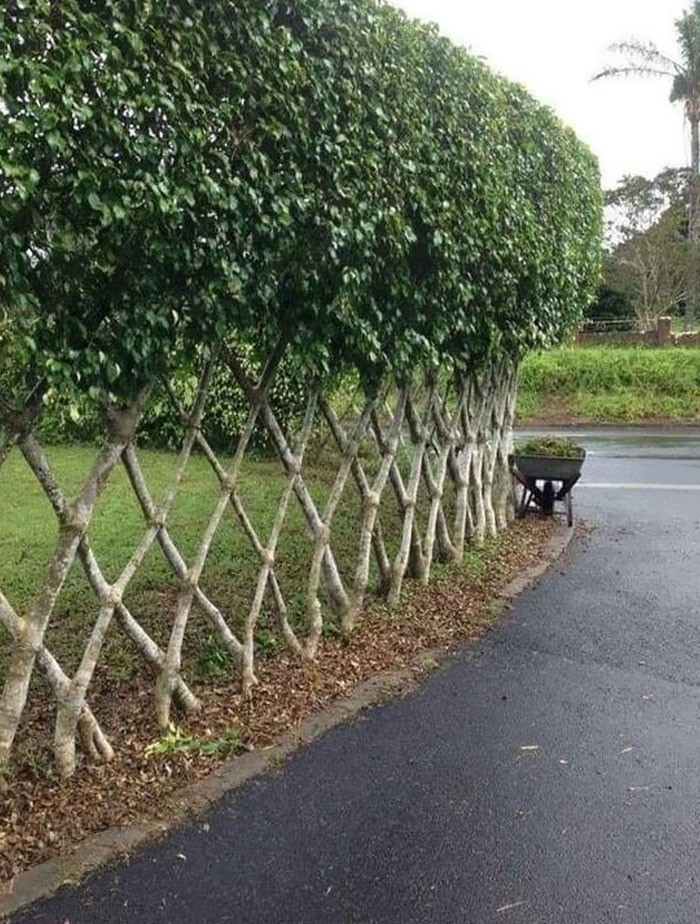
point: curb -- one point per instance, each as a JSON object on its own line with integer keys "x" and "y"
{"x": 537, "y": 425}
{"x": 193, "y": 800}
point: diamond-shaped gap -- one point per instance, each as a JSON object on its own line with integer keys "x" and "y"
{"x": 118, "y": 523}
{"x": 196, "y": 500}
{"x": 150, "y": 598}
{"x": 72, "y": 620}
{"x": 449, "y": 498}
{"x": 29, "y": 525}
{"x": 152, "y": 591}
{"x": 205, "y": 657}
{"x": 391, "y": 513}
{"x": 345, "y": 533}
{"x": 27, "y": 544}
{"x": 293, "y": 559}
{"x": 234, "y": 565}
{"x": 391, "y": 521}
{"x": 152, "y": 595}
{"x": 449, "y": 503}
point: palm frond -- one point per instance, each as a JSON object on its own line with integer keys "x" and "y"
{"x": 645, "y": 54}
{"x": 643, "y": 60}
{"x": 631, "y": 70}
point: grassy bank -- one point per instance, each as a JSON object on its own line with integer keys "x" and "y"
{"x": 29, "y": 532}
{"x": 608, "y": 384}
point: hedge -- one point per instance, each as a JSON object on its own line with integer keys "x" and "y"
{"x": 321, "y": 186}
{"x": 323, "y": 168}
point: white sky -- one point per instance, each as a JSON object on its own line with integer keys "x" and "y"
{"x": 553, "y": 47}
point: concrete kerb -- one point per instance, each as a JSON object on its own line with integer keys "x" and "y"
{"x": 193, "y": 800}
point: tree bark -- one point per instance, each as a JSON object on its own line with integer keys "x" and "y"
{"x": 693, "y": 287}
{"x": 322, "y": 542}
{"x": 371, "y": 498}
{"x": 93, "y": 739}
{"x": 410, "y": 556}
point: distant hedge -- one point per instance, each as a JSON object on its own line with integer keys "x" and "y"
{"x": 325, "y": 169}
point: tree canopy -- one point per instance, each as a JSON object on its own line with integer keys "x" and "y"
{"x": 327, "y": 169}
{"x": 646, "y": 59}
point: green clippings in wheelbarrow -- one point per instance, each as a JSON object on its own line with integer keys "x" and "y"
{"x": 558, "y": 447}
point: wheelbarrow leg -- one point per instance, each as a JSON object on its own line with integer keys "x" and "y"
{"x": 524, "y": 502}
{"x": 569, "y": 509}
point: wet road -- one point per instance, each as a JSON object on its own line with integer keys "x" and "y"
{"x": 549, "y": 774}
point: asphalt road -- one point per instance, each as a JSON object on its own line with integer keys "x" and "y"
{"x": 549, "y": 774}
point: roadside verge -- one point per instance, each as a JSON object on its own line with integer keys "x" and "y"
{"x": 192, "y": 800}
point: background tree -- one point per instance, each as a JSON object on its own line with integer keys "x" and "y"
{"x": 645, "y": 59}
{"x": 609, "y": 304}
{"x": 647, "y": 243}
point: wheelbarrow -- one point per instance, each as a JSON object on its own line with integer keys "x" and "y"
{"x": 545, "y": 481}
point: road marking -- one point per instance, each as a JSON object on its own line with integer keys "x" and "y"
{"x": 640, "y": 486}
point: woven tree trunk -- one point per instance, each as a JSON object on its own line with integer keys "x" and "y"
{"x": 74, "y": 518}
{"x": 412, "y": 449}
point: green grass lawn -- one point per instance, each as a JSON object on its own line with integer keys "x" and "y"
{"x": 611, "y": 383}
{"x": 28, "y": 531}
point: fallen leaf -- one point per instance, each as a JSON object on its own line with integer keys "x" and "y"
{"x": 510, "y": 907}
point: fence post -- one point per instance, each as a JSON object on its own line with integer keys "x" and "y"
{"x": 663, "y": 331}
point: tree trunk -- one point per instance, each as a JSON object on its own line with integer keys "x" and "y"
{"x": 371, "y": 497}
{"x": 693, "y": 289}
{"x": 410, "y": 556}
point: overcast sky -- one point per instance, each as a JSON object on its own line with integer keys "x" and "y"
{"x": 553, "y": 47}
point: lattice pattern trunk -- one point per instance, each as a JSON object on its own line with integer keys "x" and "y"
{"x": 428, "y": 468}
